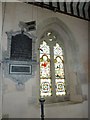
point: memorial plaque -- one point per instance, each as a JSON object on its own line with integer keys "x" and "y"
{"x": 21, "y": 47}
{"x": 19, "y": 69}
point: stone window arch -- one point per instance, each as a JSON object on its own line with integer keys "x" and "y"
{"x": 66, "y": 41}
{"x": 51, "y": 67}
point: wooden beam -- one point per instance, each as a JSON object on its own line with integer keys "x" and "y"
{"x": 84, "y": 10}
{"x": 57, "y": 10}
{"x": 78, "y": 9}
{"x": 50, "y": 4}
{"x": 89, "y": 11}
{"x": 58, "y": 5}
{"x": 65, "y": 7}
{"x": 71, "y": 6}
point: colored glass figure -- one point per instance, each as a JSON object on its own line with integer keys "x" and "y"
{"x": 45, "y": 79}
{"x": 59, "y": 70}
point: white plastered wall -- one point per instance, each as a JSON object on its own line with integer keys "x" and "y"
{"x": 0, "y": 61}
{"x": 21, "y": 103}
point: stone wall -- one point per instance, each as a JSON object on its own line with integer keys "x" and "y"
{"x": 23, "y": 104}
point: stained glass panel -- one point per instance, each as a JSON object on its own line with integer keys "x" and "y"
{"x": 59, "y": 70}
{"x": 45, "y": 87}
{"x": 45, "y": 79}
{"x": 60, "y": 87}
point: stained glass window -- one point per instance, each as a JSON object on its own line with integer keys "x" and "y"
{"x": 45, "y": 78}
{"x": 59, "y": 70}
{"x": 51, "y": 67}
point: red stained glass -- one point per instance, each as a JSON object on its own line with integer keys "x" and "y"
{"x": 45, "y": 81}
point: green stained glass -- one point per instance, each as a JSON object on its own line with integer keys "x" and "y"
{"x": 59, "y": 70}
{"x": 45, "y": 78}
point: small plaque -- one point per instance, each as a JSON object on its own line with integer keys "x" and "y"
{"x": 20, "y": 69}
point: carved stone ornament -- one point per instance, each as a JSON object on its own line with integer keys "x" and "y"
{"x": 20, "y": 61}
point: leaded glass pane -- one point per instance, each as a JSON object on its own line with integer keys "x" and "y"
{"x": 60, "y": 87}
{"x": 59, "y": 70}
{"x": 58, "y": 50}
{"x": 45, "y": 79}
{"x": 45, "y": 87}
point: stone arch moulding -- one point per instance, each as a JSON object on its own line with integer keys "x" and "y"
{"x": 71, "y": 47}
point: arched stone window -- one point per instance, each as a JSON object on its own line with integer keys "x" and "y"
{"x": 52, "y": 76}
{"x": 51, "y": 67}
{"x": 57, "y": 57}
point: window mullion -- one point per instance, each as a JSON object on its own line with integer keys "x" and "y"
{"x": 52, "y": 69}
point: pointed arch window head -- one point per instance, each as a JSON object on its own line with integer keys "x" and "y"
{"x": 47, "y": 68}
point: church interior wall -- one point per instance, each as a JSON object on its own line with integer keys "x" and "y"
{"x": 23, "y": 104}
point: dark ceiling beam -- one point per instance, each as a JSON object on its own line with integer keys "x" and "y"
{"x": 65, "y": 7}
{"x": 55, "y": 9}
{"x": 50, "y": 5}
{"x": 41, "y": 3}
{"x": 58, "y": 5}
{"x": 78, "y": 9}
{"x": 84, "y": 10}
{"x": 89, "y": 10}
{"x": 71, "y": 6}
